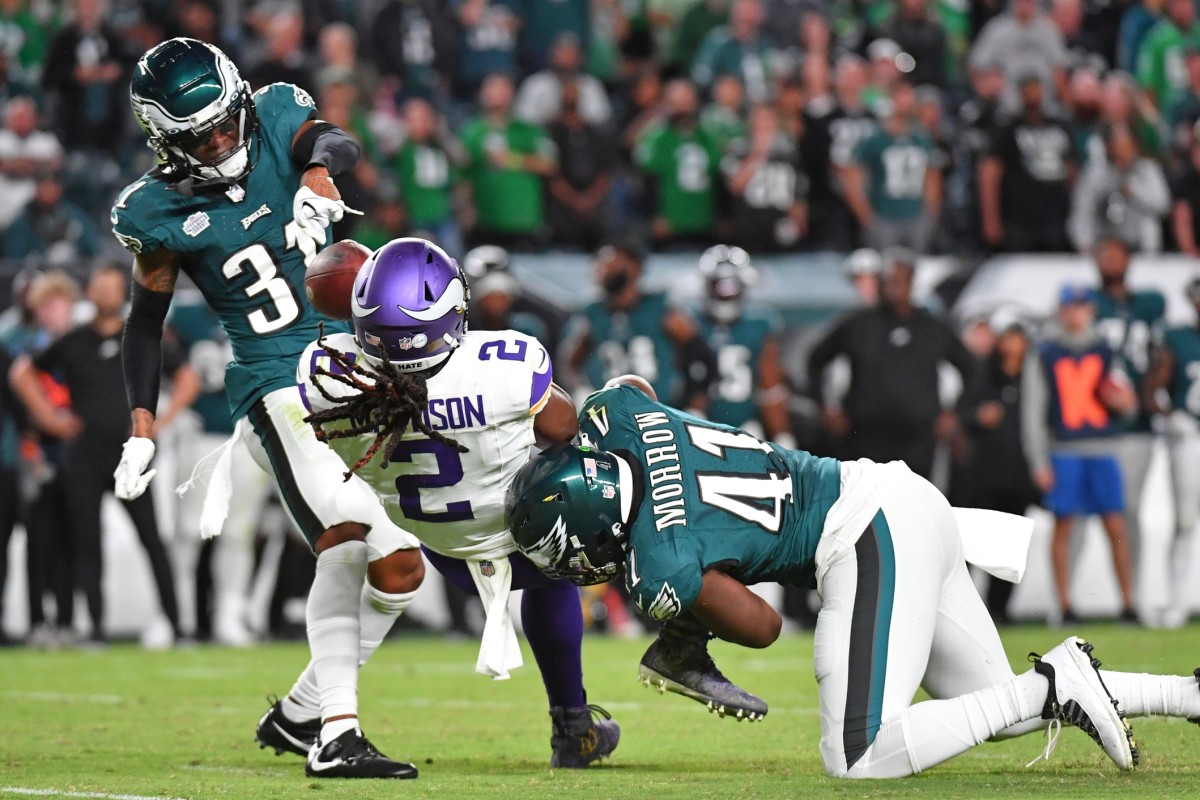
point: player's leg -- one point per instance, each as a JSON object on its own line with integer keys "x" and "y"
{"x": 84, "y": 486}
{"x": 141, "y": 513}
{"x": 1133, "y": 452}
{"x": 1184, "y": 450}
{"x": 185, "y": 547}
{"x": 233, "y": 554}
{"x": 1064, "y": 501}
{"x": 1104, "y": 497}
{"x": 552, "y": 617}
{"x": 334, "y": 516}
{"x": 880, "y": 605}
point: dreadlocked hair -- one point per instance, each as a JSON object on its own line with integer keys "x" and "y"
{"x": 387, "y": 402}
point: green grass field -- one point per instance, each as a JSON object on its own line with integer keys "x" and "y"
{"x": 124, "y": 722}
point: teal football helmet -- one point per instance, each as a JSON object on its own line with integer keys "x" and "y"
{"x": 564, "y": 512}
{"x": 184, "y": 92}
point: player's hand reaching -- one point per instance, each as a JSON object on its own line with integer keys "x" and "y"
{"x": 318, "y": 204}
{"x": 131, "y": 475}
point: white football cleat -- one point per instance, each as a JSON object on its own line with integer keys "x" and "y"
{"x": 1078, "y": 696}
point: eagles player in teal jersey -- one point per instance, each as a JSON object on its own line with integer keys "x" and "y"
{"x": 239, "y": 200}
{"x": 693, "y": 511}
{"x": 1129, "y": 320}
{"x": 749, "y": 391}
{"x": 1172, "y": 389}
{"x": 632, "y": 330}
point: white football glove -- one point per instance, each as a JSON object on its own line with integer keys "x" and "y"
{"x": 314, "y": 213}
{"x": 131, "y": 476}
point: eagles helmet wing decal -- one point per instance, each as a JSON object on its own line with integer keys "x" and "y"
{"x": 549, "y": 550}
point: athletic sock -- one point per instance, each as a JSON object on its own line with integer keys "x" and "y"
{"x": 553, "y": 620}
{"x": 378, "y": 611}
{"x": 332, "y": 730}
{"x": 1142, "y": 695}
{"x": 333, "y": 626}
{"x": 933, "y": 731}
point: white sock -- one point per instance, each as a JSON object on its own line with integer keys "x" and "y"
{"x": 333, "y": 627}
{"x": 378, "y": 611}
{"x": 332, "y": 730}
{"x": 1142, "y": 695}
{"x": 931, "y": 732}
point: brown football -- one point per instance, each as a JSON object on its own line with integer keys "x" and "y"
{"x": 329, "y": 279}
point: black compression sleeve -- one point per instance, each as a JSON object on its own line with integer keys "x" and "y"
{"x": 141, "y": 346}
{"x": 326, "y": 145}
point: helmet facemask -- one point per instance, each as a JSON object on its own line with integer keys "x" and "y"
{"x": 728, "y": 274}
{"x": 229, "y": 166}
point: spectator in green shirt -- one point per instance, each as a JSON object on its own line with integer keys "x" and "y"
{"x": 427, "y": 168}
{"x": 724, "y": 119}
{"x": 894, "y": 187}
{"x": 739, "y": 48}
{"x": 507, "y": 160}
{"x": 1160, "y": 67}
{"x": 679, "y": 162}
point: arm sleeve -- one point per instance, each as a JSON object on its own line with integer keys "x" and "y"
{"x": 141, "y": 346}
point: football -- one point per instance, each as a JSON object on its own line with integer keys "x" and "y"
{"x": 329, "y": 279}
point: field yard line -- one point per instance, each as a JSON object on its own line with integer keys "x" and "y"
{"x": 66, "y": 697}
{"x": 27, "y": 792}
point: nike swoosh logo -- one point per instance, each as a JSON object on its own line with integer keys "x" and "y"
{"x": 316, "y": 764}
{"x": 359, "y": 310}
{"x": 454, "y": 297}
{"x": 303, "y": 745}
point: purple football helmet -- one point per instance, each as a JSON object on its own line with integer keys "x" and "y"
{"x": 409, "y": 305}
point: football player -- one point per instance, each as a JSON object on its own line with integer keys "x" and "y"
{"x": 633, "y": 330}
{"x": 438, "y": 421}
{"x": 749, "y": 391}
{"x": 1130, "y": 320}
{"x": 240, "y": 207}
{"x": 1172, "y": 389}
{"x": 692, "y": 511}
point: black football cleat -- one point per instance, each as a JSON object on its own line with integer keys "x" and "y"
{"x": 277, "y": 731}
{"x": 581, "y": 735}
{"x": 678, "y": 661}
{"x": 351, "y": 755}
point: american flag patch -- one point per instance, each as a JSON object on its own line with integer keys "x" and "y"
{"x": 589, "y": 467}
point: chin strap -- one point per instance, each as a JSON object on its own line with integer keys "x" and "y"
{"x": 189, "y": 185}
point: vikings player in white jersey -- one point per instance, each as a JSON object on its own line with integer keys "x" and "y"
{"x": 438, "y": 421}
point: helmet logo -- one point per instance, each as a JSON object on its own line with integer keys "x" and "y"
{"x": 453, "y": 299}
{"x": 548, "y": 551}
{"x": 360, "y": 311}
{"x": 404, "y": 343}
{"x": 420, "y": 340}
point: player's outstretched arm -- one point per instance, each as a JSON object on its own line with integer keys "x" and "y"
{"x": 154, "y": 276}
{"x": 734, "y": 613}
{"x": 557, "y": 422}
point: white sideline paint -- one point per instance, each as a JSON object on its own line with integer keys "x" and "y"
{"x": 66, "y": 697}
{"x": 27, "y": 792}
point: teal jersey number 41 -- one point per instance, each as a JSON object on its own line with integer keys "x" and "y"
{"x": 708, "y": 496}
{"x": 242, "y": 249}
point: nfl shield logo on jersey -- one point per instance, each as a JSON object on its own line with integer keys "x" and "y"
{"x": 487, "y": 569}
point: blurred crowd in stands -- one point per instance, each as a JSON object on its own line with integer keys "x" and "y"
{"x": 879, "y": 130}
